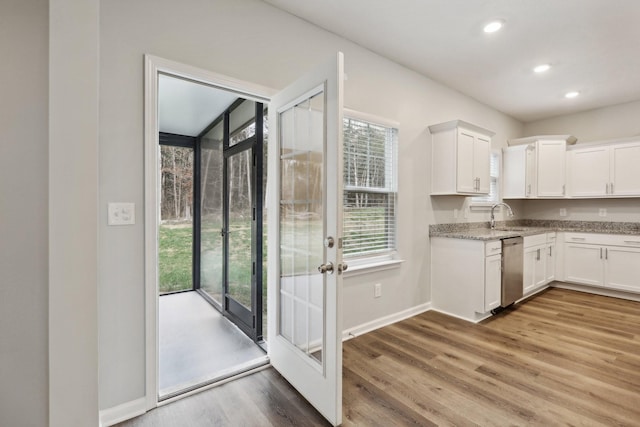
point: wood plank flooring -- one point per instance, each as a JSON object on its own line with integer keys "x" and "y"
{"x": 562, "y": 358}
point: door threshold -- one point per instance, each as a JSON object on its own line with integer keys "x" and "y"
{"x": 225, "y": 377}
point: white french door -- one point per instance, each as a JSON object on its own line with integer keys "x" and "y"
{"x": 305, "y": 245}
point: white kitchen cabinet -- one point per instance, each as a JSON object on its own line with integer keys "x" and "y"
{"x": 583, "y": 264}
{"x": 609, "y": 261}
{"x": 492, "y": 282}
{"x": 622, "y": 268}
{"x": 589, "y": 172}
{"x": 539, "y": 261}
{"x": 625, "y": 170}
{"x": 550, "y": 253}
{"x": 536, "y": 168}
{"x": 605, "y": 170}
{"x": 551, "y": 163}
{"x": 466, "y": 277}
{"x": 460, "y": 158}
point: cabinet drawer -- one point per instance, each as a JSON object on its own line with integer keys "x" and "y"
{"x": 492, "y": 248}
{"x": 603, "y": 239}
{"x": 538, "y": 239}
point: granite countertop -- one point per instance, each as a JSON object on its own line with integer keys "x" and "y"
{"x": 506, "y": 229}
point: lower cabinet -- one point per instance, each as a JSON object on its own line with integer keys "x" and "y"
{"x": 466, "y": 276}
{"x": 492, "y": 282}
{"x": 539, "y": 261}
{"x": 602, "y": 260}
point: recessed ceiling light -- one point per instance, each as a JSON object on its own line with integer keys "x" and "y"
{"x": 572, "y": 94}
{"x": 542, "y": 68}
{"x": 492, "y": 27}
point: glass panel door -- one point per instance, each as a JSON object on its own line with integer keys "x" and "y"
{"x": 305, "y": 226}
{"x": 301, "y": 225}
{"x": 239, "y": 230}
{"x": 211, "y": 206}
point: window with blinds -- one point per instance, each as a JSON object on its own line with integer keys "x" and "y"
{"x": 369, "y": 188}
{"x": 494, "y": 185}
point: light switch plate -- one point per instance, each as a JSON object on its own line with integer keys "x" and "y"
{"x": 603, "y": 212}
{"x": 563, "y": 212}
{"x": 121, "y": 214}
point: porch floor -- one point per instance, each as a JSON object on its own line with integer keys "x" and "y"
{"x": 198, "y": 346}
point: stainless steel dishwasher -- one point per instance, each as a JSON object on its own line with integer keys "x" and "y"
{"x": 512, "y": 278}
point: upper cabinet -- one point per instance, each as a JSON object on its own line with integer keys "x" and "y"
{"x": 605, "y": 170}
{"x": 460, "y": 157}
{"x": 535, "y": 167}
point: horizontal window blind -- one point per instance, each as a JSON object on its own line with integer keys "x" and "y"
{"x": 369, "y": 188}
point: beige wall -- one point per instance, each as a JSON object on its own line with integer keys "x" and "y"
{"x": 618, "y": 121}
{"x": 24, "y": 156}
{"x": 252, "y": 41}
{"x": 73, "y": 185}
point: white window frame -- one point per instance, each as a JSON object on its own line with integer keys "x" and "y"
{"x": 482, "y": 202}
{"x": 382, "y": 260}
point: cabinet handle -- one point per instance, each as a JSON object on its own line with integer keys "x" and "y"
{"x": 538, "y": 255}
{"x": 633, "y": 242}
{"x": 600, "y": 253}
{"x": 606, "y": 188}
{"x": 611, "y": 188}
{"x": 578, "y": 238}
{"x": 606, "y": 253}
{"x": 529, "y": 190}
{"x": 563, "y": 192}
{"x": 550, "y": 250}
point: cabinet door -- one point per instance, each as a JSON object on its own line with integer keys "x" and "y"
{"x": 583, "y": 264}
{"x": 540, "y": 272}
{"x": 465, "y": 175}
{"x": 551, "y": 157}
{"x": 589, "y": 174}
{"x": 530, "y": 257}
{"x": 550, "y": 267}
{"x": 625, "y": 170}
{"x": 530, "y": 172}
{"x": 622, "y": 268}
{"x": 492, "y": 282}
{"x": 481, "y": 163}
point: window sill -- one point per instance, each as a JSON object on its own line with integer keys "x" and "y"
{"x": 371, "y": 267}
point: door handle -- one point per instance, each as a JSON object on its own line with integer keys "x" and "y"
{"x": 342, "y": 267}
{"x": 326, "y": 268}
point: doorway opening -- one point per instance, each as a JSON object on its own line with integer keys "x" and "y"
{"x": 211, "y": 238}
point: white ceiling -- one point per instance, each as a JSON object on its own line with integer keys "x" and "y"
{"x": 187, "y": 108}
{"x": 592, "y": 45}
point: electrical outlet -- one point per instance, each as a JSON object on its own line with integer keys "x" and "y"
{"x": 121, "y": 214}
{"x": 602, "y": 212}
{"x": 563, "y": 212}
{"x": 377, "y": 290}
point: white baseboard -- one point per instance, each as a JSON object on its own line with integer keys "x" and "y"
{"x": 479, "y": 317}
{"x": 384, "y": 321}
{"x": 597, "y": 290}
{"x": 122, "y": 412}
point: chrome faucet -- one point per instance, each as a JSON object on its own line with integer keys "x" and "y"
{"x": 493, "y": 220}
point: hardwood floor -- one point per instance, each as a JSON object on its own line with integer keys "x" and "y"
{"x": 562, "y": 358}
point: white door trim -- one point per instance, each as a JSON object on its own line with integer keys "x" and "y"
{"x": 154, "y": 65}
